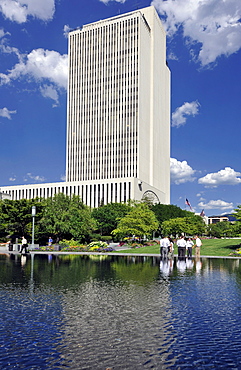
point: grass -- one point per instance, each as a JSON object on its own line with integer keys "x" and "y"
{"x": 210, "y": 247}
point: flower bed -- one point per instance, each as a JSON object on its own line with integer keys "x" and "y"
{"x": 72, "y": 246}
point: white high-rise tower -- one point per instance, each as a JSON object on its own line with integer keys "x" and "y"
{"x": 118, "y": 106}
{"x": 118, "y": 124}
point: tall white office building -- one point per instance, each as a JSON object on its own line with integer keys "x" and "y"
{"x": 118, "y": 106}
{"x": 118, "y": 123}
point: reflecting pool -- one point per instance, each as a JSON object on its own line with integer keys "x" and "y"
{"x": 112, "y": 312}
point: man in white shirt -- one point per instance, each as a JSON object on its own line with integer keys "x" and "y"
{"x": 181, "y": 246}
{"x": 198, "y": 246}
{"x": 24, "y": 245}
{"x": 165, "y": 245}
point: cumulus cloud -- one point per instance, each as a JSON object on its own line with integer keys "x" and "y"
{"x": 20, "y": 10}
{"x": 4, "y": 112}
{"x": 181, "y": 172}
{"x": 42, "y": 66}
{"x": 211, "y": 27}
{"x": 223, "y": 177}
{"x": 179, "y": 117}
{"x": 216, "y": 204}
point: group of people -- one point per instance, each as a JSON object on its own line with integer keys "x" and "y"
{"x": 185, "y": 246}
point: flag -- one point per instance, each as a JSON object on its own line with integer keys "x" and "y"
{"x": 188, "y": 204}
{"x": 202, "y": 214}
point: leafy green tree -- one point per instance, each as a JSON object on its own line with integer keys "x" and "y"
{"x": 237, "y": 212}
{"x": 236, "y": 227}
{"x": 221, "y": 229}
{"x": 165, "y": 212}
{"x": 188, "y": 225}
{"x": 16, "y": 216}
{"x": 140, "y": 221}
{"x": 108, "y": 216}
{"x": 67, "y": 217}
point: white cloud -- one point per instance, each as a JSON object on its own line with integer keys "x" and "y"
{"x": 213, "y": 27}
{"x": 66, "y": 30}
{"x": 179, "y": 117}
{"x": 12, "y": 178}
{"x": 49, "y": 91}
{"x": 19, "y": 10}
{"x": 216, "y": 204}
{"x": 108, "y": 1}
{"x": 3, "y": 33}
{"x": 223, "y": 177}
{"x": 181, "y": 172}
{"x": 34, "y": 177}
{"x": 4, "y": 112}
{"x": 172, "y": 56}
{"x": 41, "y": 66}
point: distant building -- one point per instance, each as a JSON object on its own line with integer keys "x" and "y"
{"x": 118, "y": 114}
{"x": 5, "y": 195}
{"x": 216, "y": 219}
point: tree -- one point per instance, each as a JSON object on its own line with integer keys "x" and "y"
{"x": 140, "y": 221}
{"x": 165, "y": 212}
{"x": 221, "y": 229}
{"x": 108, "y": 216}
{"x": 237, "y": 213}
{"x": 16, "y": 215}
{"x": 184, "y": 225}
{"x": 67, "y": 217}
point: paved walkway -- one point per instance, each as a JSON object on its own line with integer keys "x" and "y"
{"x": 4, "y": 250}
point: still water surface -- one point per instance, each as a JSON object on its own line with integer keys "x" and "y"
{"x": 111, "y": 312}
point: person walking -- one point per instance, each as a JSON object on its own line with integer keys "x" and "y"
{"x": 198, "y": 246}
{"x": 189, "y": 247}
{"x": 181, "y": 246}
{"x": 24, "y": 245}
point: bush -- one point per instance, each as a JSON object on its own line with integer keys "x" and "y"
{"x": 66, "y": 243}
{"x": 98, "y": 244}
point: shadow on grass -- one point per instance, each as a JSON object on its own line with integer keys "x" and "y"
{"x": 233, "y": 247}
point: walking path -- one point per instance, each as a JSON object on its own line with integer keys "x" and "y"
{"x": 118, "y": 252}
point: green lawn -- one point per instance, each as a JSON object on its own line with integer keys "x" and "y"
{"x": 210, "y": 247}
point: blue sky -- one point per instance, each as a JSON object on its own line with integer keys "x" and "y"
{"x": 204, "y": 56}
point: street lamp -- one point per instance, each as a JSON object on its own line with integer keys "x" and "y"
{"x": 33, "y": 215}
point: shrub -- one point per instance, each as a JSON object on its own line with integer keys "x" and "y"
{"x": 98, "y": 244}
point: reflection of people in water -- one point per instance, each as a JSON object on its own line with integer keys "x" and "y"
{"x": 166, "y": 266}
{"x": 189, "y": 263}
{"x": 181, "y": 264}
{"x": 198, "y": 265}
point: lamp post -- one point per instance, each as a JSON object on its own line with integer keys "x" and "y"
{"x": 33, "y": 215}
